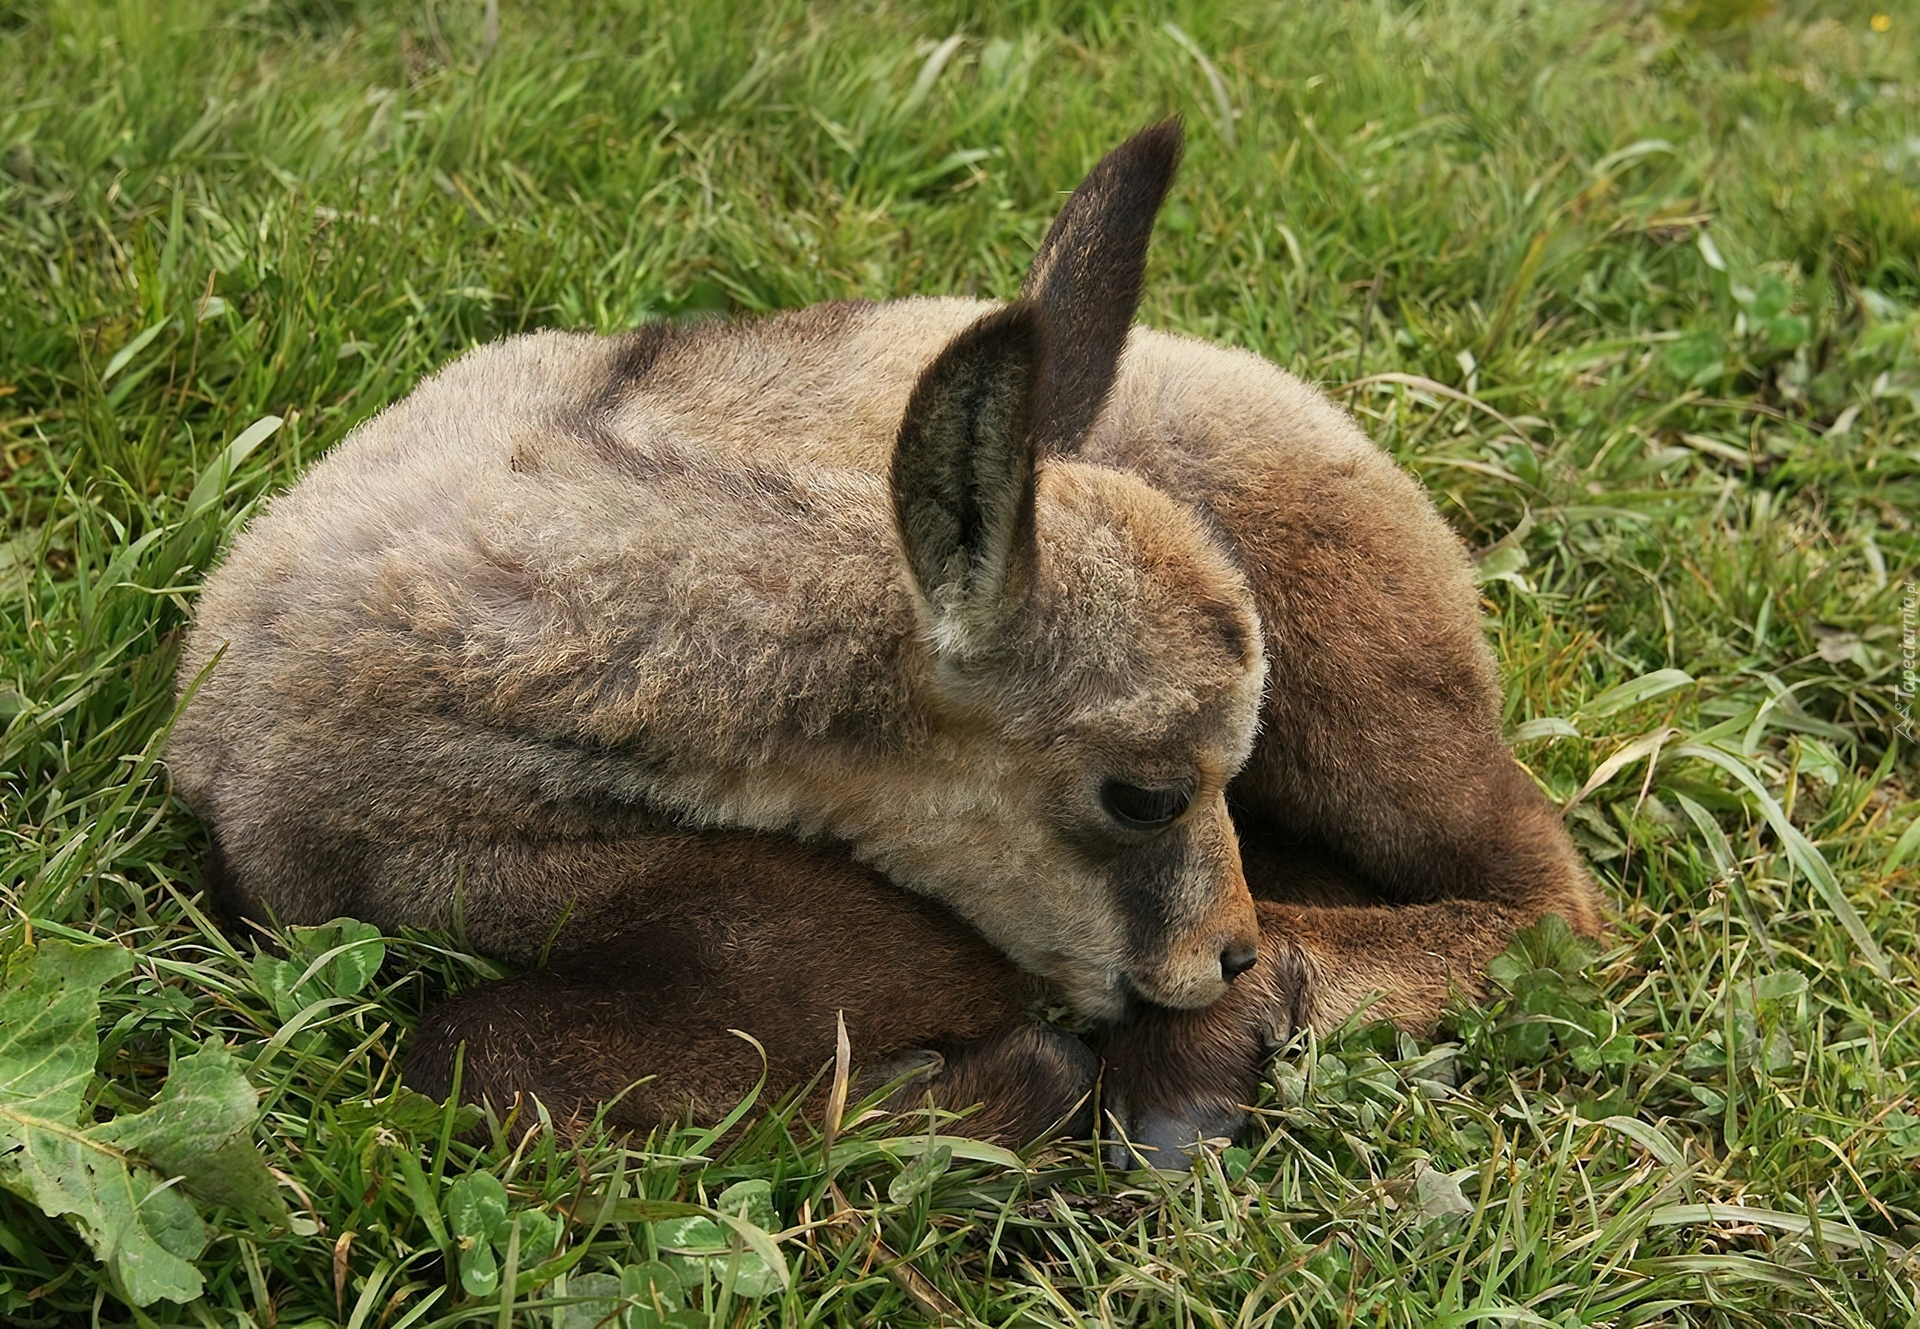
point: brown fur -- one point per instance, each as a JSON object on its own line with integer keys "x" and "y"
{"x": 803, "y": 576}
{"x": 776, "y": 938}
{"x": 770, "y": 937}
{"x": 915, "y": 578}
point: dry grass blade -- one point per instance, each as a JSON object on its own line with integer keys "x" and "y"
{"x": 837, "y": 1093}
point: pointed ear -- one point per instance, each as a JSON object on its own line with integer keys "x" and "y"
{"x": 1086, "y": 279}
{"x": 963, "y": 478}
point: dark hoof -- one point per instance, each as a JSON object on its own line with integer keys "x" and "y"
{"x": 1171, "y": 1140}
{"x": 1175, "y": 1078}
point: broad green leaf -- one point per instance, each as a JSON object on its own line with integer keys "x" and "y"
{"x": 1541, "y": 971}
{"x": 759, "y": 1269}
{"x": 712, "y": 1243}
{"x": 479, "y": 1271}
{"x": 751, "y": 1200}
{"x": 539, "y": 1234}
{"x": 276, "y": 978}
{"x": 1788, "y": 330}
{"x": 49, "y": 1006}
{"x": 1530, "y": 1039}
{"x": 1615, "y": 1051}
{"x": 696, "y": 1235}
{"x": 917, "y": 1176}
{"x": 1503, "y": 564}
{"x": 1695, "y": 359}
{"x": 477, "y": 1209}
{"x": 336, "y": 959}
{"x": 148, "y": 1234}
{"x": 1437, "y": 1194}
{"x": 699, "y": 1234}
{"x": 98, "y": 1176}
{"x": 1550, "y": 944}
{"x": 599, "y": 1298}
{"x": 200, "y": 1129}
{"x": 653, "y": 1285}
{"x": 342, "y": 955}
{"x": 1779, "y": 985}
{"x": 1770, "y": 298}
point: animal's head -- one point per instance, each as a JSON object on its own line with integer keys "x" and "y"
{"x": 1094, "y": 643}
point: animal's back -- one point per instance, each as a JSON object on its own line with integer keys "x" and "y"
{"x": 508, "y": 605}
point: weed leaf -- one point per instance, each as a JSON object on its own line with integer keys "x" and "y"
{"x": 200, "y": 1129}
{"x": 109, "y": 1179}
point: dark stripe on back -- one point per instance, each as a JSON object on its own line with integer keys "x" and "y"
{"x": 637, "y": 354}
{"x": 632, "y": 361}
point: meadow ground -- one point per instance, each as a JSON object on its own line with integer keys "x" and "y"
{"x": 1634, "y": 291}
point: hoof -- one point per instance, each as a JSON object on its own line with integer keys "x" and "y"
{"x": 1171, "y": 1139}
{"x": 1177, "y": 1077}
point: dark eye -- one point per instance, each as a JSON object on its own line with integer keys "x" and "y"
{"x": 1144, "y": 809}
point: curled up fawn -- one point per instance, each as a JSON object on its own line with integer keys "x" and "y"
{"x": 904, "y": 659}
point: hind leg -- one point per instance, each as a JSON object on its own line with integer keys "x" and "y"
{"x": 1380, "y": 734}
{"x": 1381, "y": 741}
{"x": 1381, "y": 727}
{"x": 777, "y": 939}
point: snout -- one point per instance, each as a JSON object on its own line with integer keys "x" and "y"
{"x": 1222, "y": 940}
{"x": 1196, "y": 972}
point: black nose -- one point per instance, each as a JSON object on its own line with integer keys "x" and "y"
{"x": 1236, "y": 960}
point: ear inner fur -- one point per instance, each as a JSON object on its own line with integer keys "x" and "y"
{"x": 1086, "y": 279}
{"x": 963, "y": 477}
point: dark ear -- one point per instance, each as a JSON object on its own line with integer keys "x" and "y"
{"x": 963, "y": 477}
{"x": 1086, "y": 279}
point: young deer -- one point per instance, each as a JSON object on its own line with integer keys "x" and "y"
{"x": 592, "y": 643}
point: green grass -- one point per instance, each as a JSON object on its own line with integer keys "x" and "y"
{"x": 1638, "y": 300}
